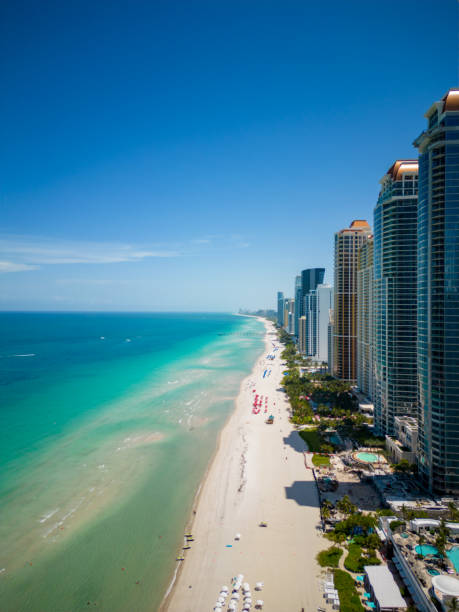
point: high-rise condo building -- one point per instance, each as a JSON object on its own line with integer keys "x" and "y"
{"x": 289, "y": 315}
{"x": 330, "y": 341}
{"x": 280, "y": 308}
{"x": 297, "y": 296}
{"x": 438, "y": 296}
{"x": 302, "y": 335}
{"x": 310, "y": 278}
{"x": 365, "y": 341}
{"x": 317, "y": 306}
{"x": 395, "y": 296}
{"x": 347, "y": 243}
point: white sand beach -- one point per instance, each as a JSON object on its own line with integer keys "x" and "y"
{"x": 258, "y": 474}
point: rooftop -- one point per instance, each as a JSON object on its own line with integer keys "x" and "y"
{"x": 384, "y": 587}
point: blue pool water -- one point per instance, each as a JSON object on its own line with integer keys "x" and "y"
{"x": 453, "y": 555}
{"x": 426, "y": 549}
{"x": 368, "y": 457}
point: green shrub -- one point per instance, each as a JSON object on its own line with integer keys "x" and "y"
{"x": 396, "y": 524}
{"x": 356, "y": 559}
{"x": 330, "y": 557}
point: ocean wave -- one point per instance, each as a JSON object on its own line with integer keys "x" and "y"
{"x": 45, "y": 517}
{"x": 25, "y": 355}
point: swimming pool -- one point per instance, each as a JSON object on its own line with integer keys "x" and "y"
{"x": 453, "y": 556}
{"x": 426, "y": 549}
{"x": 433, "y": 572}
{"x": 367, "y": 457}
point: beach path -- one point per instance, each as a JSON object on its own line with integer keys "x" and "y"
{"x": 258, "y": 474}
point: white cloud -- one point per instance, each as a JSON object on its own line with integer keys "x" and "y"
{"x": 9, "y": 266}
{"x": 28, "y": 253}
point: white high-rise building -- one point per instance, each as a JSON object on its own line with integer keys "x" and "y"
{"x": 317, "y": 307}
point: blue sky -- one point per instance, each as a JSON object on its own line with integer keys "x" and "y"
{"x": 196, "y": 155}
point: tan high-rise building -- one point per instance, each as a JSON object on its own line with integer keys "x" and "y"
{"x": 347, "y": 244}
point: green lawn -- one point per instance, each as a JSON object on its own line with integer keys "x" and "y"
{"x": 318, "y": 460}
{"x": 313, "y": 439}
{"x": 349, "y": 599}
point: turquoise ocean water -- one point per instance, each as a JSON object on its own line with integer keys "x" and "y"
{"x": 107, "y": 424}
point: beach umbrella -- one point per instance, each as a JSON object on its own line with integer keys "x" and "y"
{"x": 259, "y": 586}
{"x": 248, "y": 600}
{"x": 237, "y": 536}
{"x": 235, "y": 596}
{"x": 221, "y": 600}
{"x": 259, "y": 603}
{"x": 240, "y": 577}
{"x": 246, "y": 586}
{"x": 225, "y": 589}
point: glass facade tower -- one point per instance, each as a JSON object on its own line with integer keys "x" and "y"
{"x": 280, "y": 308}
{"x": 438, "y": 296}
{"x": 297, "y": 297}
{"x": 395, "y": 296}
{"x": 365, "y": 322}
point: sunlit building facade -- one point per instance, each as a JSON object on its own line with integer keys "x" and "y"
{"x": 347, "y": 244}
{"x": 395, "y": 296}
{"x": 438, "y": 296}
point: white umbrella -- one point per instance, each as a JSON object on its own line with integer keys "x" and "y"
{"x": 248, "y": 602}
{"x": 237, "y": 536}
{"x": 259, "y": 586}
{"x": 223, "y": 595}
{"x": 225, "y": 589}
{"x": 235, "y": 596}
{"x": 247, "y": 596}
{"x": 259, "y": 603}
{"x": 221, "y": 600}
{"x": 231, "y": 605}
{"x": 240, "y": 577}
{"x": 246, "y": 586}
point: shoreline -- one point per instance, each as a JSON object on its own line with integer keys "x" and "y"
{"x": 164, "y": 605}
{"x": 255, "y": 474}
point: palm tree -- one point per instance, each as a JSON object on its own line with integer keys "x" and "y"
{"x": 325, "y": 513}
{"x": 453, "y": 605}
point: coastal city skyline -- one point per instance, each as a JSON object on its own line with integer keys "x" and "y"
{"x": 179, "y": 162}
{"x": 391, "y": 327}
